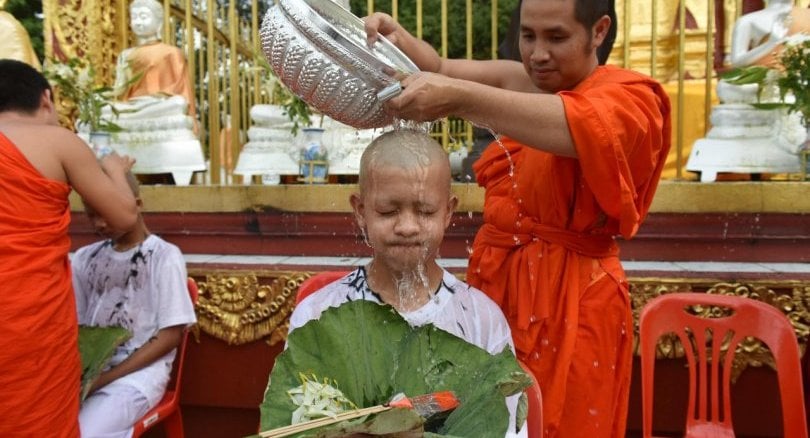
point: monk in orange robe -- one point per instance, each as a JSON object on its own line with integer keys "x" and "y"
{"x": 39, "y": 163}
{"x": 585, "y": 149}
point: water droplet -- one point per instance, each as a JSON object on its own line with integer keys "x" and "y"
{"x": 470, "y": 214}
{"x": 533, "y": 319}
{"x": 535, "y": 356}
{"x": 596, "y": 364}
{"x": 593, "y": 411}
{"x": 544, "y": 341}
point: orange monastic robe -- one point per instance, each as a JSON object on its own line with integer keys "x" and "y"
{"x": 164, "y": 69}
{"x": 39, "y": 358}
{"x": 546, "y": 252}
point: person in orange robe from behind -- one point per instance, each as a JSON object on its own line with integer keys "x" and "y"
{"x": 581, "y": 155}
{"x": 39, "y": 163}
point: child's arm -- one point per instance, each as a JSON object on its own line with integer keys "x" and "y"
{"x": 155, "y": 348}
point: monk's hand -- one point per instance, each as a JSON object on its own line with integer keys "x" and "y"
{"x": 116, "y": 164}
{"x": 425, "y": 97}
{"x": 383, "y": 24}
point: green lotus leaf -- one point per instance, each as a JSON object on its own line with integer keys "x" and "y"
{"x": 372, "y": 353}
{"x": 96, "y": 347}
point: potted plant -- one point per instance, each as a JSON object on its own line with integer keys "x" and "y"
{"x": 791, "y": 77}
{"x": 75, "y": 81}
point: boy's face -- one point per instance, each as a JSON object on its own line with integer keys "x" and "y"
{"x": 102, "y": 228}
{"x": 404, "y": 213}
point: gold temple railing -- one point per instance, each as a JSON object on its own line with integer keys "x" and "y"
{"x": 674, "y": 41}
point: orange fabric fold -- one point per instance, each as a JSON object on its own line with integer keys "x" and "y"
{"x": 546, "y": 252}
{"x": 164, "y": 69}
{"x": 39, "y": 359}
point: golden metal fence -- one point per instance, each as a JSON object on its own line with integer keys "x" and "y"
{"x": 674, "y": 41}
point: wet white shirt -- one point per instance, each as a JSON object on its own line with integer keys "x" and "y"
{"x": 144, "y": 290}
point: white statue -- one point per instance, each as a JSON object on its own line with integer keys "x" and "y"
{"x": 744, "y": 139}
{"x": 155, "y": 101}
{"x": 756, "y": 40}
{"x": 270, "y": 150}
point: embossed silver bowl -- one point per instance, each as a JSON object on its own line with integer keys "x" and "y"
{"x": 318, "y": 49}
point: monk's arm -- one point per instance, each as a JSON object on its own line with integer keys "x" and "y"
{"x": 534, "y": 119}
{"x": 166, "y": 339}
{"x": 497, "y": 73}
{"x": 104, "y": 187}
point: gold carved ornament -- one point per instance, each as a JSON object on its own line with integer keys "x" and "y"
{"x": 792, "y": 298}
{"x": 238, "y": 309}
{"x": 86, "y": 29}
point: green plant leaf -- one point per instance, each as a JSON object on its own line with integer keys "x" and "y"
{"x": 372, "y": 353}
{"x": 96, "y": 347}
{"x": 746, "y": 75}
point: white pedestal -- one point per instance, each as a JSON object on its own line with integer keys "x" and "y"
{"x": 710, "y": 156}
{"x": 181, "y": 158}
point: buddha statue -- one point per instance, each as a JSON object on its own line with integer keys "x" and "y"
{"x": 155, "y": 101}
{"x": 742, "y": 138}
{"x": 16, "y": 42}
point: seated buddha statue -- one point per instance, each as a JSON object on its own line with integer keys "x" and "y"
{"x": 757, "y": 39}
{"x": 16, "y": 42}
{"x": 162, "y": 68}
{"x": 742, "y": 138}
{"x": 155, "y": 101}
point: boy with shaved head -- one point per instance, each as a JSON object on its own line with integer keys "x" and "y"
{"x": 136, "y": 280}
{"x": 580, "y": 153}
{"x": 403, "y": 206}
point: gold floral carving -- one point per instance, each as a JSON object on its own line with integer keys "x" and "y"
{"x": 239, "y": 309}
{"x": 85, "y": 29}
{"x": 790, "y": 297}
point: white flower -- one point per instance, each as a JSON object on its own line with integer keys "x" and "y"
{"x": 85, "y": 80}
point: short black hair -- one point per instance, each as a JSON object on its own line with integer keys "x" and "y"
{"x": 588, "y": 12}
{"x": 21, "y": 86}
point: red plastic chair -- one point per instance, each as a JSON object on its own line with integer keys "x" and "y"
{"x": 316, "y": 282}
{"x": 712, "y": 418}
{"x": 168, "y": 408}
{"x": 534, "y": 422}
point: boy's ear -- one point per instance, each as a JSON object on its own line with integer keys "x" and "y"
{"x": 452, "y": 203}
{"x": 359, "y": 208}
{"x": 46, "y": 101}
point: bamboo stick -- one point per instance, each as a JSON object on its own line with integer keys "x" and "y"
{"x": 312, "y": 424}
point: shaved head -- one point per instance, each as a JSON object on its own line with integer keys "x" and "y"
{"x": 404, "y": 149}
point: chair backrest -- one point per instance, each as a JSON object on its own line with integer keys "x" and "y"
{"x": 316, "y": 282}
{"x": 534, "y": 422}
{"x": 703, "y": 337}
{"x": 180, "y": 356}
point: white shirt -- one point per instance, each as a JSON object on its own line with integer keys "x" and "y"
{"x": 144, "y": 290}
{"x": 456, "y": 307}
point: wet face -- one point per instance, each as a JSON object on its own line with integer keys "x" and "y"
{"x": 143, "y": 21}
{"x": 558, "y": 52}
{"x": 404, "y": 213}
{"x": 100, "y": 225}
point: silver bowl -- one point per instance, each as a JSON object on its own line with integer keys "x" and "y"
{"x": 318, "y": 50}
